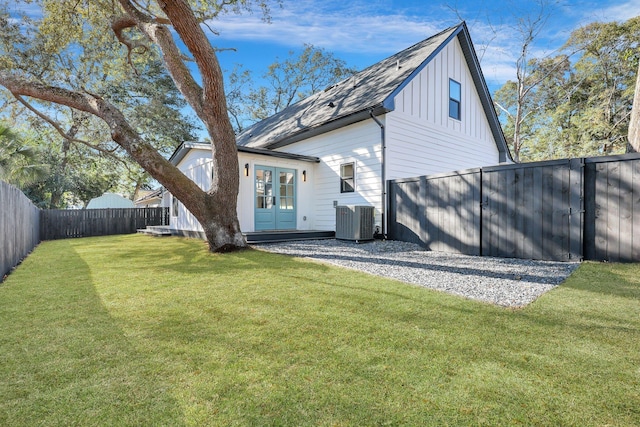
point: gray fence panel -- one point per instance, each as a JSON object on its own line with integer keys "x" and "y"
{"x": 453, "y": 219}
{"x": 612, "y": 208}
{"x": 19, "y": 231}
{"x": 526, "y": 211}
{"x": 64, "y": 224}
{"x": 441, "y": 212}
{"x": 406, "y": 209}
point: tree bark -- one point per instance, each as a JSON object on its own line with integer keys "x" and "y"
{"x": 216, "y": 208}
{"x": 212, "y": 110}
{"x": 221, "y": 224}
{"x": 633, "y": 145}
{"x": 223, "y": 232}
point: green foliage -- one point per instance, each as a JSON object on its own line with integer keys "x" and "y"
{"x": 74, "y": 178}
{"x": 19, "y": 163}
{"x": 285, "y": 82}
{"x": 60, "y": 175}
{"x": 582, "y": 100}
{"x": 73, "y": 46}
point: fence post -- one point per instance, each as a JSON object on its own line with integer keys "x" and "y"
{"x": 576, "y": 209}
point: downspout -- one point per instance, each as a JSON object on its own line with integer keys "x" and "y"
{"x": 383, "y": 174}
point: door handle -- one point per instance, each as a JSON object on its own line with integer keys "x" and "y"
{"x": 274, "y": 200}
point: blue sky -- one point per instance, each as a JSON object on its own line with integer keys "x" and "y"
{"x": 362, "y": 32}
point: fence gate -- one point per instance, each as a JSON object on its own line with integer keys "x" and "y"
{"x": 528, "y": 210}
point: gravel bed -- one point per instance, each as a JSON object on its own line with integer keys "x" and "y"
{"x": 506, "y": 282}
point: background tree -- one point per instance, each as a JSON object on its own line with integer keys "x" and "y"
{"x": 285, "y": 82}
{"x": 81, "y": 50}
{"x": 74, "y": 175}
{"x": 514, "y": 98}
{"x": 602, "y": 85}
{"x": 582, "y": 102}
{"x": 19, "y": 164}
{"x": 295, "y": 78}
{"x": 238, "y": 88}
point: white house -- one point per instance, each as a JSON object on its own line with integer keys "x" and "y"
{"x": 148, "y": 198}
{"x": 422, "y": 111}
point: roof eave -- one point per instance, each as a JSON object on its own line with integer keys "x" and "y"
{"x": 182, "y": 150}
{"x": 180, "y": 153}
{"x": 325, "y": 127}
{"x": 483, "y": 91}
{"x": 279, "y": 154}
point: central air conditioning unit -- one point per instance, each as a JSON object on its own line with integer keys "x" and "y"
{"x": 355, "y": 222}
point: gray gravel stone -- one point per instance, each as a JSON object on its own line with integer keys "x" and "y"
{"x": 506, "y": 282}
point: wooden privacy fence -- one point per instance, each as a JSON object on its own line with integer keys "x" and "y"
{"x": 19, "y": 227}
{"x": 63, "y": 224}
{"x": 557, "y": 210}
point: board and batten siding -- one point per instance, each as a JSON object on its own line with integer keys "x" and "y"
{"x": 421, "y": 138}
{"x": 359, "y": 143}
{"x": 196, "y": 165}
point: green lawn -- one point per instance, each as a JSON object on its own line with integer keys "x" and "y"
{"x": 134, "y": 330}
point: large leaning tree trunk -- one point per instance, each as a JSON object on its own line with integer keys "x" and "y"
{"x": 634, "y": 122}
{"x": 214, "y": 209}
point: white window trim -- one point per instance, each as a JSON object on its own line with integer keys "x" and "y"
{"x": 353, "y": 178}
{"x": 458, "y": 101}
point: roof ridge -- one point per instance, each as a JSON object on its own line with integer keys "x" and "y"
{"x": 370, "y": 86}
{"x": 400, "y": 53}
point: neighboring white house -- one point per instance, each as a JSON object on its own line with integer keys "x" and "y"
{"x": 109, "y": 200}
{"x": 422, "y": 111}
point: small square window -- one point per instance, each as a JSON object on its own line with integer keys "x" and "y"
{"x": 347, "y": 178}
{"x": 455, "y": 99}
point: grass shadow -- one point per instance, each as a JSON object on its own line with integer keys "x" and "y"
{"x": 66, "y": 361}
{"x": 254, "y": 338}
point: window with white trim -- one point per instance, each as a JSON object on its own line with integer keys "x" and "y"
{"x": 347, "y": 177}
{"x": 455, "y": 99}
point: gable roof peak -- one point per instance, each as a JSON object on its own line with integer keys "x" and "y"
{"x": 353, "y": 99}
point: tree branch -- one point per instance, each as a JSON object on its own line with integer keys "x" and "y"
{"x": 194, "y": 38}
{"x": 118, "y": 25}
{"x": 66, "y": 135}
{"x": 173, "y": 58}
{"x": 497, "y": 104}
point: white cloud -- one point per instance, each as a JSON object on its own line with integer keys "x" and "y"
{"x": 361, "y": 31}
{"x": 616, "y": 12}
{"x": 344, "y": 29}
{"x": 378, "y": 27}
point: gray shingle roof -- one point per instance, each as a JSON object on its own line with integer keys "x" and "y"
{"x": 347, "y": 101}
